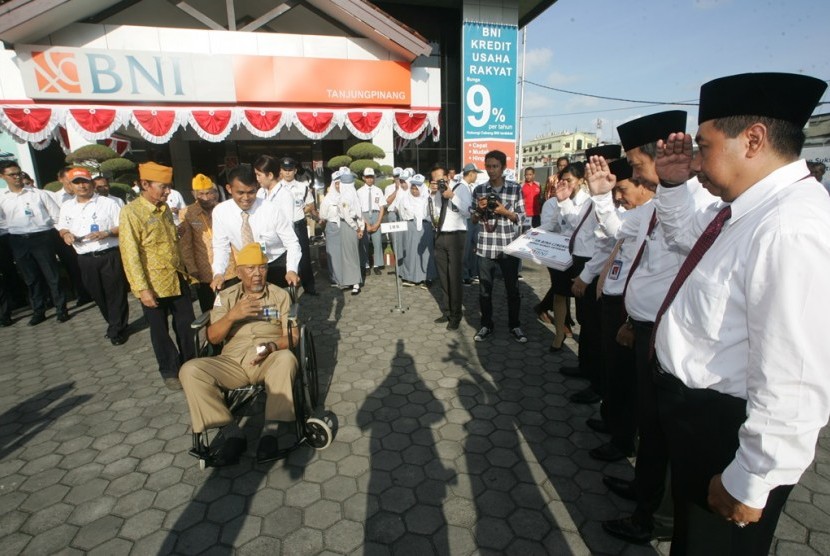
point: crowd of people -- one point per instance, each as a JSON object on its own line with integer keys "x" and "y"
{"x": 695, "y": 278}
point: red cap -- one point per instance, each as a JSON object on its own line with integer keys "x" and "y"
{"x": 76, "y": 173}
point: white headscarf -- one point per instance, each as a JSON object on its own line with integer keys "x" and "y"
{"x": 416, "y": 207}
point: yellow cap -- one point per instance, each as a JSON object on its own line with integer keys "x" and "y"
{"x": 251, "y": 255}
{"x": 201, "y": 183}
{"x": 155, "y": 172}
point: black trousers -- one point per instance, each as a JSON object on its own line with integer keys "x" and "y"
{"x": 701, "y": 426}
{"x": 69, "y": 259}
{"x": 619, "y": 381}
{"x": 35, "y": 257}
{"x": 103, "y": 277}
{"x": 590, "y": 345}
{"x": 206, "y": 295}
{"x": 170, "y": 356}
{"x": 509, "y": 266}
{"x": 449, "y": 261}
{"x": 652, "y": 465}
{"x": 11, "y": 287}
{"x": 306, "y": 271}
{"x": 276, "y": 271}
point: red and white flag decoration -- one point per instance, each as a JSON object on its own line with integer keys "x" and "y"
{"x": 36, "y": 123}
{"x": 94, "y": 124}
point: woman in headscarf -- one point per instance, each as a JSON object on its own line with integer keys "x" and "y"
{"x": 344, "y": 228}
{"x": 418, "y": 265}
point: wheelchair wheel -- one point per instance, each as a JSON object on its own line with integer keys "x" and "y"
{"x": 317, "y": 433}
{"x": 308, "y": 366}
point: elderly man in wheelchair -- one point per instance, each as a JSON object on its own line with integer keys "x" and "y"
{"x": 251, "y": 320}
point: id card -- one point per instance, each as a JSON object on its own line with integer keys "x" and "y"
{"x": 614, "y": 271}
{"x": 94, "y": 228}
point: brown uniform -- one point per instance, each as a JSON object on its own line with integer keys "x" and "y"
{"x": 205, "y": 378}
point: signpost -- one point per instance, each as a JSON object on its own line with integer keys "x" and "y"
{"x": 394, "y": 228}
{"x": 489, "y": 80}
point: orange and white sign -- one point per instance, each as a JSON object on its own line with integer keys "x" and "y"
{"x": 64, "y": 73}
{"x": 474, "y": 151}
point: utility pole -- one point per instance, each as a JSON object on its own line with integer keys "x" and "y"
{"x": 521, "y": 102}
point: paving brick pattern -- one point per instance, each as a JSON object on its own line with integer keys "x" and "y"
{"x": 443, "y": 446}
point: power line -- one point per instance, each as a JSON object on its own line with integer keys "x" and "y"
{"x": 649, "y": 102}
{"x": 590, "y": 111}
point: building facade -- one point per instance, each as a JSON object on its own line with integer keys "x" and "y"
{"x": 544, "y": 150}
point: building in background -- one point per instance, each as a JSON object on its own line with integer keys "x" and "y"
{"x": 207, "y": 85}
{"x": 544, "y": 150}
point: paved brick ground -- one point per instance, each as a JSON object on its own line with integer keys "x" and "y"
{"x": 443, "y": 446}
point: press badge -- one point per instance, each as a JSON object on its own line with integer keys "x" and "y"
{"x": 614, "y": 271}
{"x": 28, "y": 211}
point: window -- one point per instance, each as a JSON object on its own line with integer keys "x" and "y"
{"x": 579, "y": 144}
{"x": 568, "y": 145}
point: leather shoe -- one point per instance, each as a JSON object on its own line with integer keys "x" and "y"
{"x": 621, "y": 487}
{"x": 36, "y": 319}
{"x": 6, "y": 321}
{"x": 453, "y": 324}
{"x": 231, "y": 451}
{"x": 63, "y": 316}
{"x": 629, "y": 530}
{"x": 118, "y": 340}
{"x": 268, "y": 449}
{"x": 586, "y": 396}
{"x": 608, "y": 452}
{"x": 598, "y": 425}
{"x": 442, "y": 319}
{"x": 570, "y": 371}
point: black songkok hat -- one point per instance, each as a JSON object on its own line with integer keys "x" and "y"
{"x": 781, "y": 96}
{"x": 606, "y": 151}
{"x": 652, "y": 128}
{"x": 621, "y": 169}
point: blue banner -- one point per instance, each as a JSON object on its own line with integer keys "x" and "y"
{"x": 489, "y": 75}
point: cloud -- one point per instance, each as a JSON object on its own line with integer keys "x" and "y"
{"x": 537, "y": 59}
{"x": 535, "y": 101}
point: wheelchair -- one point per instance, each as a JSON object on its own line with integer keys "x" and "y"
{"x": 311, "y": 428}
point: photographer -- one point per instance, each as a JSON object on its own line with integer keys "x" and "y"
{"x": 450, "y": 205}
{"x": 499, "y": 211}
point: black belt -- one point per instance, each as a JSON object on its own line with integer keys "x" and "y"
{"x": 453, "y": 232}
{"x": 643, "y": 323}
{"x": 667, "y": 381}
{"x": 32, "y": 235}
{"x": 100, "y": 253}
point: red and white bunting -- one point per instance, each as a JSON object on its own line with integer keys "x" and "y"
{"x": 36, "y": 123}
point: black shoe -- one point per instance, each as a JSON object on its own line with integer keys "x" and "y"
{"x": 598, "y": 425}
{"x": 629, "y": 530}
{"x": 63, "y": 317}
{"x": 5, "y": 321}
{"x": 586, "y": 396}
{"x": 36, "y": 319}
{"x": 570, "y": 371}
{"x": 468, "y": 282}
{"x": 608, "y": 452}
{"x": 118, "y": 340}
{"x": 268, "y": 449}
{"x": 230, "y": 452}
{"x": 554, "y": 349}
{"x": 442, "y": 319}
{"x": 378, "y": 271}
{"x": 453, "y": 325}
{"x": 622, "y": 488}
{"x": 82, "y": 302}
{"x": 310, "y": 292}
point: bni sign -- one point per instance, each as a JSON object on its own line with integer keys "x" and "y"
{"x": 489, "y": 77}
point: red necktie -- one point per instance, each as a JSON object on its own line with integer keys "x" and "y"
{"x": 704, "y": 242}
{"x": 581, "y": 222}
{"x": 639, "y": 255}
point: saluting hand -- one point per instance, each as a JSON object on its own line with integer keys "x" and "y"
{"x": 674, "y": 159}
{"x": 600, "y": 178}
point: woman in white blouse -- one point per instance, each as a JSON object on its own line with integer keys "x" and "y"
{"x": 340, "y": 210}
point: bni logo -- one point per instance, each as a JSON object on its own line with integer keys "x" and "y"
{"x": 56, "y": 72}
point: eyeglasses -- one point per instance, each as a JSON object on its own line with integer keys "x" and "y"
{"x": 13, "y": 174}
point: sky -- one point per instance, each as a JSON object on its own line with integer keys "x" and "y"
{"x": 659, "y": 50}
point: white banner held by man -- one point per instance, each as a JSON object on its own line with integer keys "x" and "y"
{"x": 545, "y": 248}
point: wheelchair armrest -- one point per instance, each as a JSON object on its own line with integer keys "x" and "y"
{"x": 294, "y": 312}
{"x": 201, "y": 321}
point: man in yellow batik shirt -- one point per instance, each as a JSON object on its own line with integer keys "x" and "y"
{"x": 155, "y": 269}
{"x": 196, "y": 232}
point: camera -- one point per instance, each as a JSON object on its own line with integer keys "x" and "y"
{"x": 442, "y": 185}
{"x": 493, "y": 201}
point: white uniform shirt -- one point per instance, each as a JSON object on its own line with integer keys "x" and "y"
{"x": 300, "y": 197}
{"x": 61, "y": 196}
{"x": 458, "y": 208}
{"x": 79, "y": 218}
{"x": 573, "y": 211}
{"x": 280, "y": 198}
{"x": 117, "y": 200}
{"x": 390, "y": 207}
{"x": 271, "y": 229}
{"x": 371, "y": 198}
{"x": 621, "y": 266}
{"x": 30, "y": 211}
{"x": 750, "y": 321}
{"x": 176, "y": 201}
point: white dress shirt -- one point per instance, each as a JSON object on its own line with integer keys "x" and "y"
{"x": 271, "y": 229}
{"x": 30, "y": 211}
{"x": 280, "y": 198}
{"x": 550, "y": 218}
{"x": 79, "y": 218}
{"x": 751, "y": 319}
{"x": 390, "y": 207}
{"x": 572, "y": 212}
{"x": 61, "y": 196}
{"x": 300, "y": 197}
{"x": 621, "y": 266}
{"x": 371, "y": 198}
{"x": 176, "y": 201}
{"x": 458, "y": 208}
